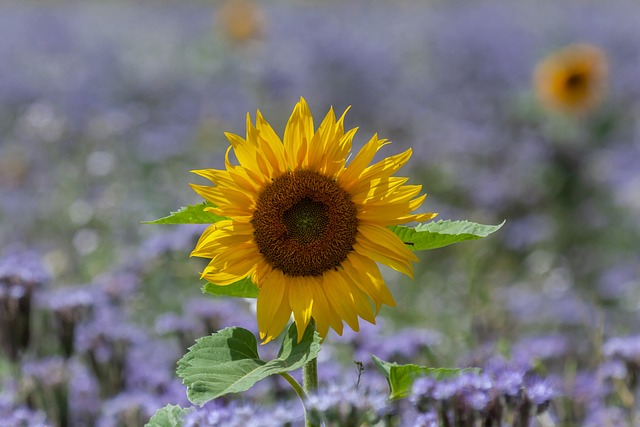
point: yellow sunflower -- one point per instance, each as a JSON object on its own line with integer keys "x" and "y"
{"x": 573, "y": 79}
{"x": 307, "y": 227}
{"x": 240, "y": 20}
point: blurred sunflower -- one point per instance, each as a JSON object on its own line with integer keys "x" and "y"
{"x": 240, "y": 20}
{"x": 573, "y": 79}
{"x": 305, "y": 226}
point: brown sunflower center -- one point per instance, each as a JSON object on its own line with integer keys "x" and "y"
{"x": 576, "y": 82}
{"x": 304, "y": 223}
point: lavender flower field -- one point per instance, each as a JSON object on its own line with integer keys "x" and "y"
{"x": 106, "y": 107}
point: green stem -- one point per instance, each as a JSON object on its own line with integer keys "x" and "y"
{"x": 310, "y": 383}
{"x": 295, "y": 386}
{"x": 310, "y": 375}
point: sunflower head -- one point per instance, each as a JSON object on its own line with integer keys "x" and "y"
{"x": 240, "y": 20}
{"x": 572, "y": 80}
{"x": 305, "y": 225}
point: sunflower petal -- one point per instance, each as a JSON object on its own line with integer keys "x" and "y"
{"x": 273, "y": 310}
{"x": 333, "y": 283}
{"x": 323, "y": 314}
{"x": 365, "y": 273}
{"x": 301, "y": 302}
{"x": 297, "y": 134}
{"x": 380, "y": 244}
{"x": 360, "y": 162}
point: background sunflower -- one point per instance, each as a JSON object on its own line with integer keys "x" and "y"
{"x": 573, "y": 79}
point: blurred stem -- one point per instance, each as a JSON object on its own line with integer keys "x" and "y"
{"x": 310, "y": 383}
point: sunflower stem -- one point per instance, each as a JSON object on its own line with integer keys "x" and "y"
{"x": 310, "y": 383}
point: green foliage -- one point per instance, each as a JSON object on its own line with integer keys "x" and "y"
{"x": 401, "y": 377}
{"x": 193, "y": 214}
{"x": 169, "y": 416}
{"x": 228, "y": 361}
{"x": 244, "y": 288}
{"x": 434, "y": 235}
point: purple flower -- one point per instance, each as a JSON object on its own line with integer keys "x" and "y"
{"x": 84, "y": 395}
{"x": 612, "y": 369}
{"x": 150, "y": 365}
{"x": 346, "y": 405}
{"x": 47, "y": 382}
{"x": 21, "y": 274}
{"x": 422, "y": 397}
{"x": 12, "y": 415}
{"x": 540, "y": 392}
{"x": 118, "y": 286}
{"x": 587, "y": 389}
{"x": 445, "y": 390}
{"x": 600, "y": 416}
{"x": 106, "y": 341}
{"x": 185, "y": 328}
{"x": 128, "y": 409}
{"x": 508, "y": 376}
{"x": 69, "y": 306}
{"x": 24, "y": 269}
{"x": 235, "y": 415}
{"x": 624, "y": 348}
{"x": 211, "y": 414}
{"x": 429, "y": 419}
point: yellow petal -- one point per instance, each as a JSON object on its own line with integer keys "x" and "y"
{"x": 210, "y": 230}
{"x": 301, "y": 302}
{"x": 333, "y": 282}
{"x": 383, "y": 169}
{"x": 360, "y": 162}
{"x": 271, "y": 145}
{"x": 297, "y": 134}
{"x": 365, "y": 273}
{"x": 380, "y": 244}
{"x": 273, "y": 310}
{"x": 219, "y": 273}
{"x": 323, "y": 314}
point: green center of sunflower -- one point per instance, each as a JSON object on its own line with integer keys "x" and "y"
{"x": 304, "y": 223}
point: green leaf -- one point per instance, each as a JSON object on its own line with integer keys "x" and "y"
{"x": 228, "y": 361}
{"x": 169, "y": 416}
{"x": 307, "y": 349}
{"x": 193, "y": 214}
{"x": 434, "y": 235}
{"x": 244, "y": 288}
{"x": 401, "y": 377}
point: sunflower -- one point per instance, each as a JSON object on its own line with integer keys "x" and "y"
{"x": 305, "y": 226}
{"x": 240, "y": 20}
{"x": 573, "y": 79}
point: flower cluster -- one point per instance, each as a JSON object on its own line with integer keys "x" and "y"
{"x": 504, "y": 395}
{"x": 340, "y": 405}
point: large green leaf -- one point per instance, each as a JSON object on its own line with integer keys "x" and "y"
{"x": 169, "y": 416}
{"x": 434, "y": 235}
{"x": 228, "y": 361}
{"x": 401, "y": 377}
{"x": 244, "y": 288}
{"x": 193, "y": 214}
